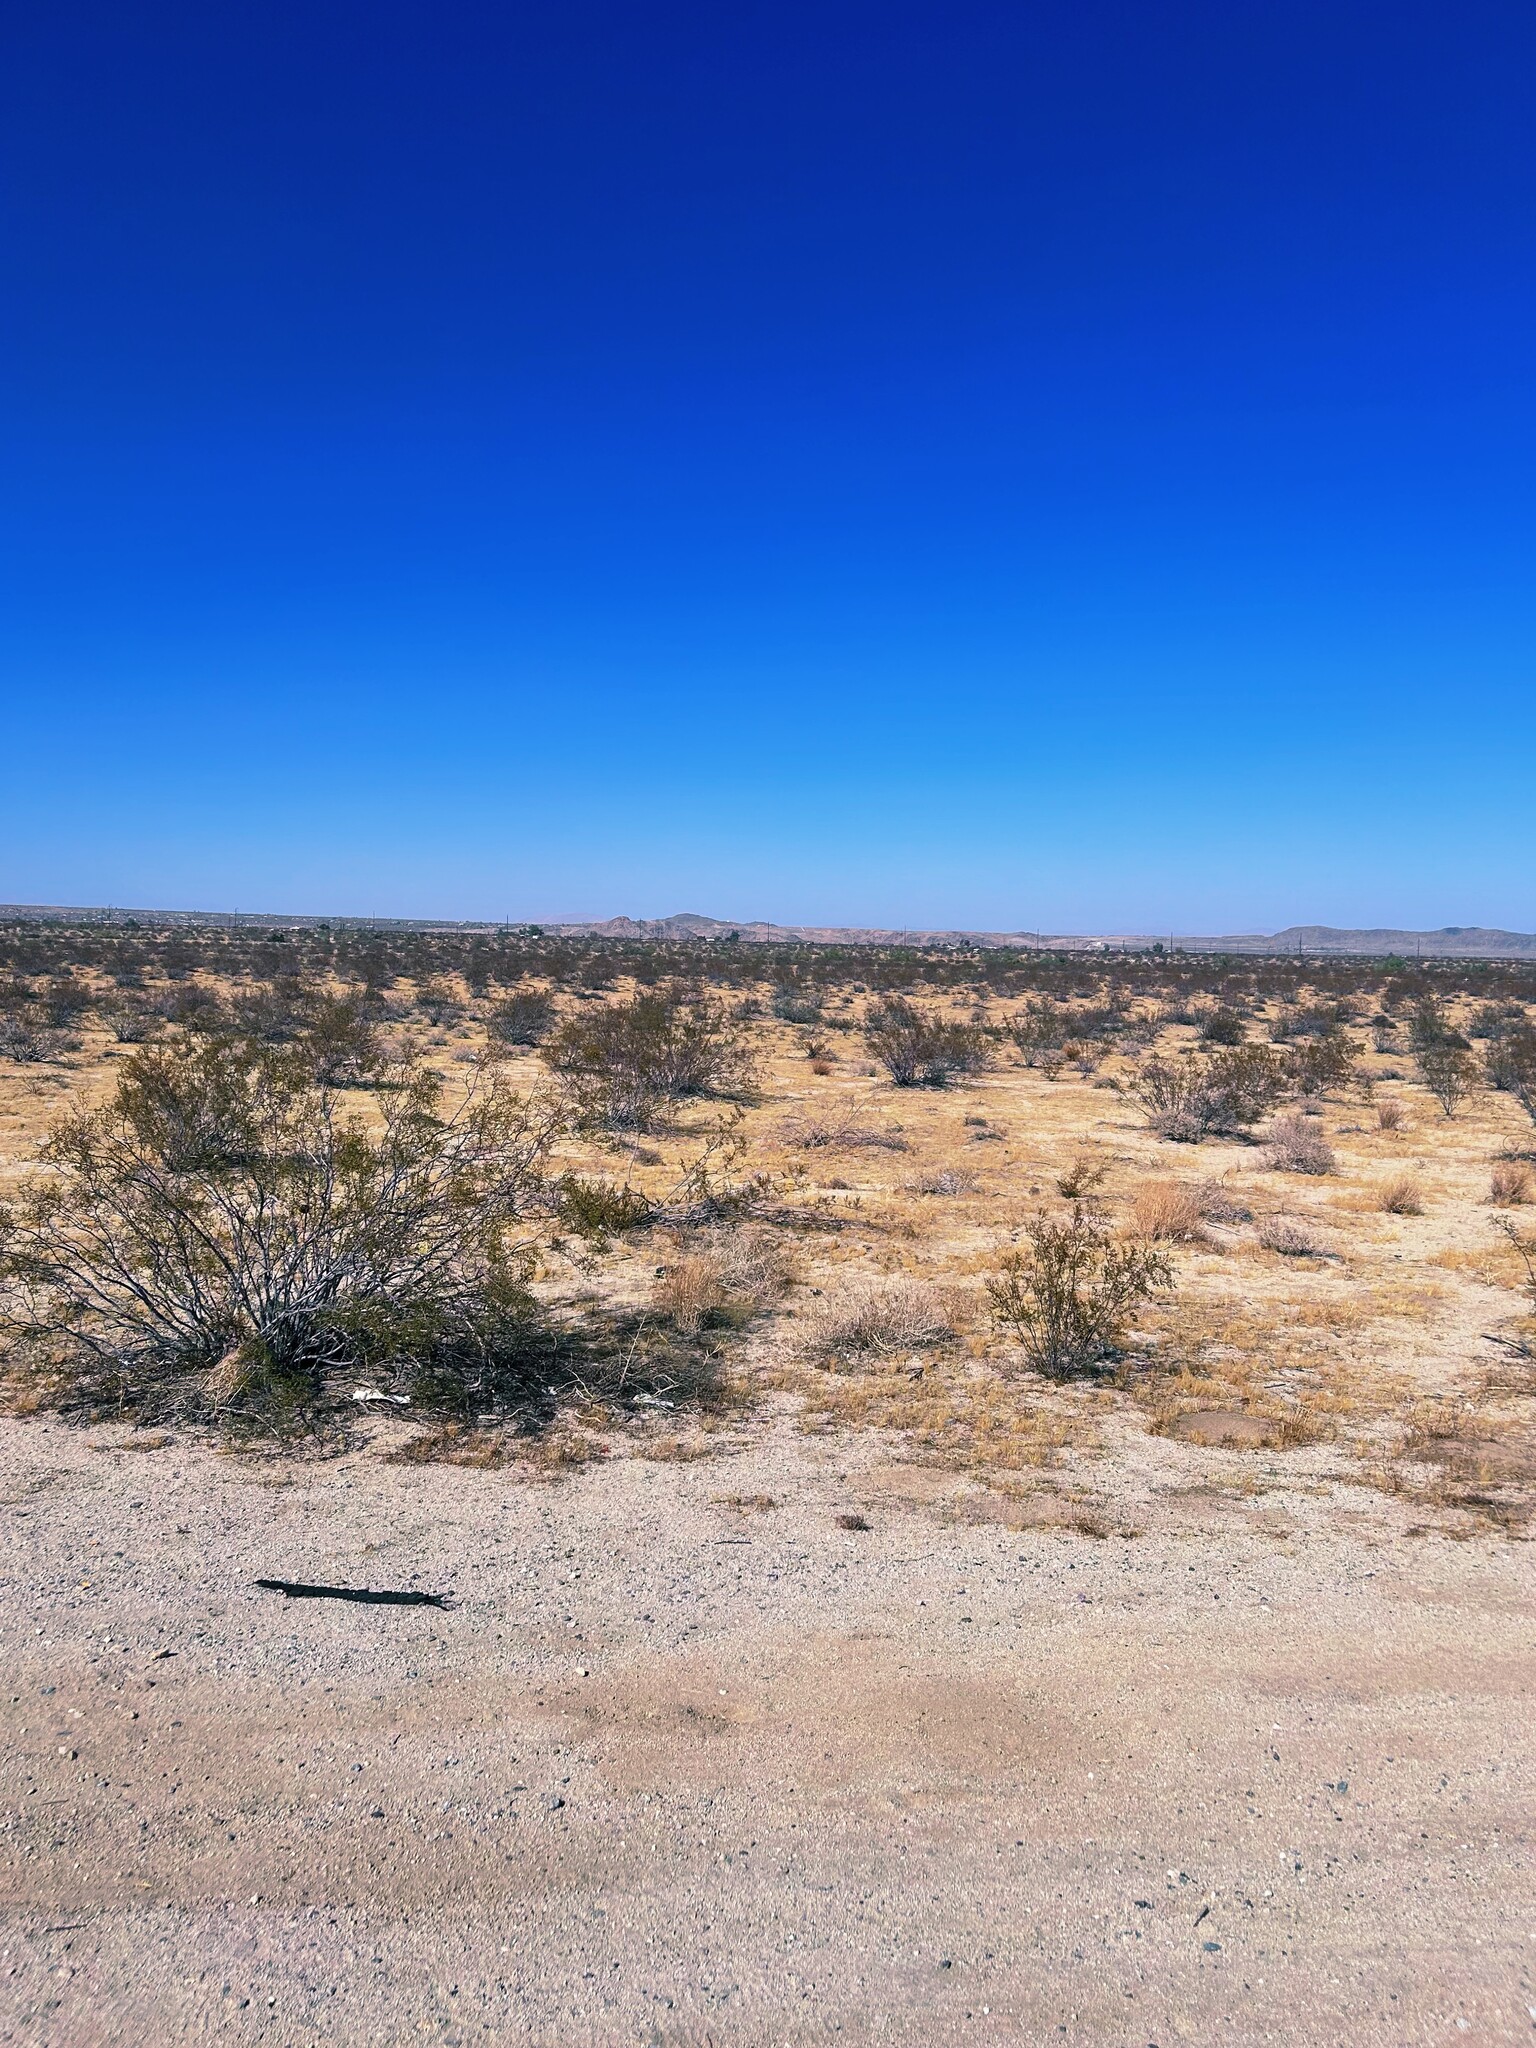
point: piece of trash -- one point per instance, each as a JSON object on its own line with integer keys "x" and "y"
{"x": 294, "y": 1590}
{"x": 652, "y": 1401}
{"x": 1211, "y": 1947}
{"x": 378, "y": 1394}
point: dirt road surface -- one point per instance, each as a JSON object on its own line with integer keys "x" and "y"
{"x": 680, "y": 1768}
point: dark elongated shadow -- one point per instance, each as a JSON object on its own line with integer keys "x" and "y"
{"x": 296, "y": 1591}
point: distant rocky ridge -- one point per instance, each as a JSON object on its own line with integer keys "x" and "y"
{"x": 1450, "y": 942}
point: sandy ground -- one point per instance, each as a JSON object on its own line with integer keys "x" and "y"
{"x": 679, "y": 1771}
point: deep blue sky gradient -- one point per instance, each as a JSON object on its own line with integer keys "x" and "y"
{"x": 1069, "y": 465}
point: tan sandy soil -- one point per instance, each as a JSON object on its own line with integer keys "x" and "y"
{"x": 675, "y": 1771}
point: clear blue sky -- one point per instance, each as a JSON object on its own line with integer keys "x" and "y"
{"x": 1068, "y": 464}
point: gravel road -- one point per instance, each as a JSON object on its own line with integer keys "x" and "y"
{"x": 676, "y": 1770}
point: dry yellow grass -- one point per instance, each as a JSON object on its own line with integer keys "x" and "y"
{"x": 1170, "y": 1209}
{"x": 1402, "y": 1195}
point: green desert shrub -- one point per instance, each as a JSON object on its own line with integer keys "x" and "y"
{"x": 921, "y": 1050}
{"x": 1068, "y": 1293}
{"x": 1193, "y": 1098}
{"x": 598, "y": 1209}
{"x": 526, "y": 1017}
{"x": 1315, "y": 1065}
{"x": 1448, "y": 1070}
{"x": 626, "y": 1060}
{"x": 221, "y": 1233}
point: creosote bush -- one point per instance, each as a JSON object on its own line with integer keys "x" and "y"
{"x": 341, "y": 1043}
{"x": 1193, "y": 1098}
{"x": 29, "y": 1041}
{"x": 626, "y": 1060}
{"x": 1296, "y": 1144}
{"x": 1525, "y": 1249}
{"x": 220, "y": 1234}
{"x": 921, "y": 1050}
{"x": 597, "y": 1209}
{"x": 1315, "y": 1065}
{"x": 1512, "y": 1066}
{"x": 1069, "y": 1293}
{"x": 1222, "y": 1026}
{"x": 1447, "y": 1069}
{"x": 526, "y": 1017}
{"x": 797, "y": 1006}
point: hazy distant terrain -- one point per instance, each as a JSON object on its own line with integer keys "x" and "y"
{"x": 1450, "y": 942}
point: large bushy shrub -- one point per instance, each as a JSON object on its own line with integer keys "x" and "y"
{"x": 1068, "y": 1293}
{"x": 921, "y": 1050}
{"x": 626, "y": 1060}
{"x": 1193, "y": 1098}
{"x": 221, "y": 1232}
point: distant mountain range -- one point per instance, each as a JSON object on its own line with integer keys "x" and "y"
{"x": 1450, "y": 942}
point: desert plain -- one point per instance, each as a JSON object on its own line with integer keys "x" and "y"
{"x": 861, "y": 1687}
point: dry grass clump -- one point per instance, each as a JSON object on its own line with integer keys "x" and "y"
{"x": 1511, "y": 1183}
{"x": 478, "y": 1450}
{"x": 947, "y": 1180}
{"x": 727, "y": 1281}
{"x": 1290, "y": 1238}
{"x": 1389, "y": 1116}
{"x": 1297, "y": 1145}
{"x": 949, "y": 1415}
{"x": 1170, "y": 1209}
{"x": 839, "y": 1134}
{"x": 872, "y": 1317}
{"x": 1402, "y": 1195}
{"x": 1218, "y": 1204}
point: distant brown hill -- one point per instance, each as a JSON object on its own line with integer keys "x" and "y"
{"x": 1450, "y": 942}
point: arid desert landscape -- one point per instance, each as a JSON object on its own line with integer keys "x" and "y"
{"x": 939, "y": 1494}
